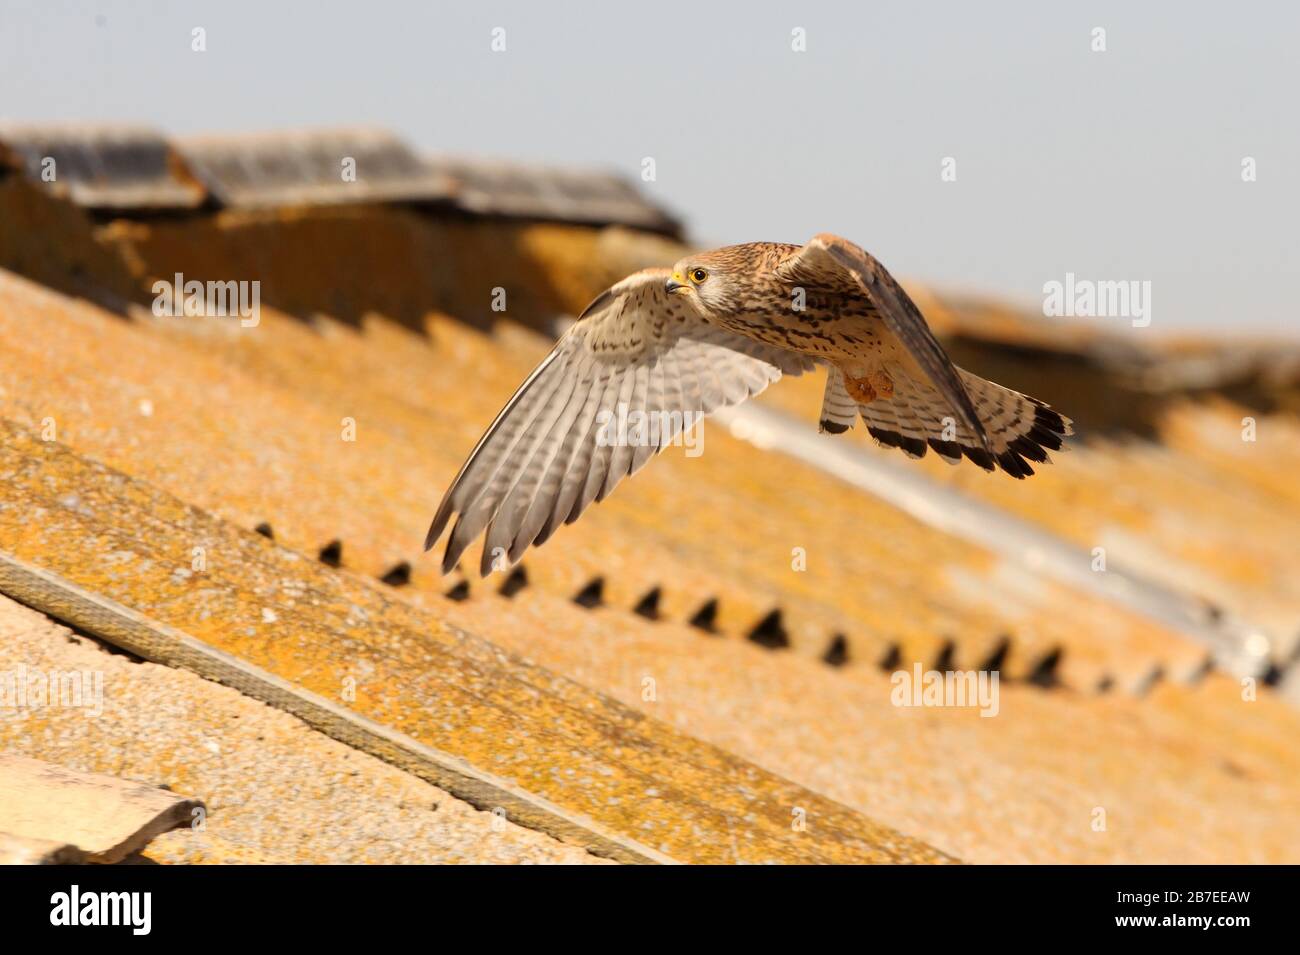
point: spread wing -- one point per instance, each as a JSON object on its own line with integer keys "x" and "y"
{"x": 546, "y": 458}
{"x": 834, "y": 263}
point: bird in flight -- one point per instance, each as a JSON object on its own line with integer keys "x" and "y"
{"x": 715, "y": 329}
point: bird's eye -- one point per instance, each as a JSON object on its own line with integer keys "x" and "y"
{"x": 698, "y": 275}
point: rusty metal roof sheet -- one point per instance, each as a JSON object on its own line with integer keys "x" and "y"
{"x": 261, "y": 170}
{"x": 112, "y": 168}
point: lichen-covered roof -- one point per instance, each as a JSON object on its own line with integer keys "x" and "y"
{"x": 80, "y": 540}
{"x": 334, "y": 424}
{"x": 277, "y": 791}
{"x": 904, "y": 586}
{"x": 1210, "y": 508}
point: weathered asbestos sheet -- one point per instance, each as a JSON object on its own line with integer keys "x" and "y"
{"x": 325, "y": 167}
{"x": 109, "y": 168}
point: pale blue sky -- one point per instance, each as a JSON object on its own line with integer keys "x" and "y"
{"x": 1117, "y": 165}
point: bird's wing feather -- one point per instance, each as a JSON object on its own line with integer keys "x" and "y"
{"x": 828, "y": 260}
{"x": 540, "y": 463}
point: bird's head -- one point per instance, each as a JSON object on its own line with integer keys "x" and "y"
{"x": 710, "y": 280}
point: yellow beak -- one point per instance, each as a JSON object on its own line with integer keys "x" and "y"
{"x": 676, "y": 283}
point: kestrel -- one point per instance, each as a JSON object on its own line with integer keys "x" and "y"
{"x": 715, "y": 329}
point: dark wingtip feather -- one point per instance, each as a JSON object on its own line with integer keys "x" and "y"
{"x": 946, "y": 449}
{"x": 440, "y": 519}
{"x": 451, "y": 556}
{"x": 1014, "y": 464}
{"x": 485, "y": 561}
{"x": 1026, "y": 447}
{"x": 890, "y": 439}
{"x": 1047, "y": 439}
{"x": 431, "y": 538}
{"x": 914, "y": 447}
{"x": 448, "y": 561}
{"x": 1048, "y": 431}
{"x": 980, "y": 457}
{"x": 833, "y": 427}
{"x": 1014, "y": 459}
{"x": 1050, "y": 419}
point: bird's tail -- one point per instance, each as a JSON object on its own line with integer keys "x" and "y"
{"x": 915, "y": 417}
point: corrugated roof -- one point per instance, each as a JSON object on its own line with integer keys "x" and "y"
{"x": 894, "y": 587}
{"x": 494, "y": 187}
{"x": 277, "y": 791}
{"x": 1156, "y": 364}
{"x": 254, "y": 171}
{"x": 683, "y": 578}
{"x": 111, "y": 168}
{"x": 125, "y": 168}
{"x": 1197, "y": 509}
{"x": 443, "y": 704}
